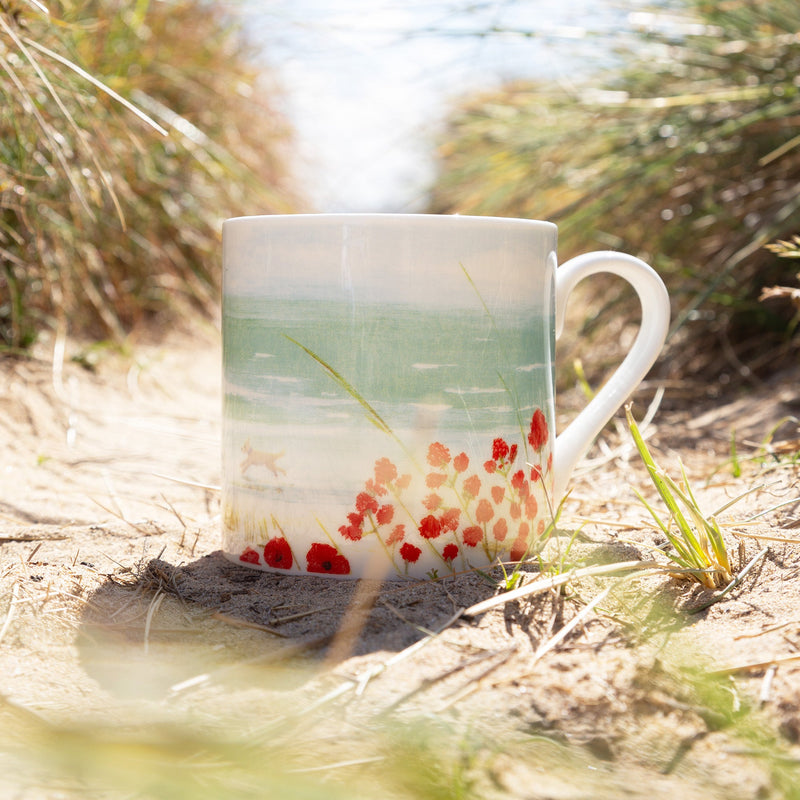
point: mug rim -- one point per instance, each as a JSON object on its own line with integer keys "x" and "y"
{"x": 389, "y": 217}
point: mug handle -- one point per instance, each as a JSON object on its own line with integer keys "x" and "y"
{"x": 575, "y": 440}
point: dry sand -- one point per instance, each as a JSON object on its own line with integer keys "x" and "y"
{"x": 115, "y": 604}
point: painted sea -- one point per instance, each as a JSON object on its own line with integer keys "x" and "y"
{"x": 316, "y": 391}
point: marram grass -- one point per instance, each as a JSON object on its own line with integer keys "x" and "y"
{"x": 696, "y": 539}
{"x": 127, "y": 133}
{"x": 684, "y": 152}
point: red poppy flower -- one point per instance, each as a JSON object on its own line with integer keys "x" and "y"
{"x": 498, "y": 492}
{"x": 515, "y": 511}
{"x": 430, "y": 527}
{"x": 403, "y": 481}
{"x": 435, "y": 479}
{"x": 397, "y": 535}
{"x": 410, "y": 553}
{"x": 438, "y": 455}
{"x": 432, "y": 502}
{"x": 249, "y": 556}
{"x": 500, "y": 530}
{"x": 326, "y": 558}
{"x": 472, "y": 485}
{"x": 517, "y": 479}
{"x": 277, "y": 553}
{"x": 484, "y": 512}
{"x": 536, "y": 473}
{"x": 472, "y": 536}
{"x": 531, "y": 506}
{"x": 385, "y": 471}
{"x": 499, "y": 449}
{"x": 512, "y": 454}
{"x": 366, "y": 503}
{"x": 450, "y": 552}
{"x": 538, "y": 436}
{"x": 449, "y": 519}
{"x": 550, "y": 462}
{"x": 384, "y": 514}
{"x": 489, "y": 466}
{"x": 461, "y": 462}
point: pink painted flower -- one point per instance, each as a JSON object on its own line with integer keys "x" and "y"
{"x": 515, "y": 512}
{"x": 537, "y": 438}
{"x": 430, "y": 527}
{"x": 435, "y": 479}
{"x": 277, "y": 553}
{"x": 384, "y": 514}
{"x": 385, "y": 471}
{"x": 461, "y": 462}
{"x": 500, "y": 530}
{"x": 351, "y": 532}
{"x": 517, "y": 479}
{"x": 403, "y": 481}
{"x": 432, "y": 502}
{"x": 484, "y": 512}
{"x": 531, "y": 506}
{"x": 375, "y": 488}
{"x": 472, "y": 485}
{"x": 397, "y": 535}
{"x": 472, "y": 536}
{"x": 449, "y": 519}
{"x": 438, "y": 455}
{"x": 410, "y": 553}
{"x": 498, "y": 492}
{"x": 450, "y": 552}
{"x": 490, "y": 466}
{"x": 366, "y": 503}
{"x": 520, "y": 546}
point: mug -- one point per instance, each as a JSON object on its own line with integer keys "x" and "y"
{"x": 389, "y": 390}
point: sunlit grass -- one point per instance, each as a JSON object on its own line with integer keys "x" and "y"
{"x": 696, "y": 539}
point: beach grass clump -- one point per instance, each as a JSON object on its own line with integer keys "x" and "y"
{"x": 684, "y": 152}
{"x": 127, "y": 133}
{"x": 697, "y": 544}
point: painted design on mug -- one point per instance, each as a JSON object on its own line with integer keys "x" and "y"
{"x": 465, "y": 509}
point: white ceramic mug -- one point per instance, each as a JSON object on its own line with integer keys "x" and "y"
{"x": 389, "y": 389}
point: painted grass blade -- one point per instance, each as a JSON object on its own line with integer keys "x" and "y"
{"x": 372, "y": 415}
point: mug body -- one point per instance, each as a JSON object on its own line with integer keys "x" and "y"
{"x": 388, "y": 392}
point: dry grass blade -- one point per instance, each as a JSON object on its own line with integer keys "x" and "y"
{"x": 545, "y": 584}
{"x": 98, "y": 84}
{"x": 562, "y": 634}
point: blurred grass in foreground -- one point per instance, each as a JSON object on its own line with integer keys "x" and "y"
{"x": 108, "y": 217}
{"x": 686, "y": 153}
